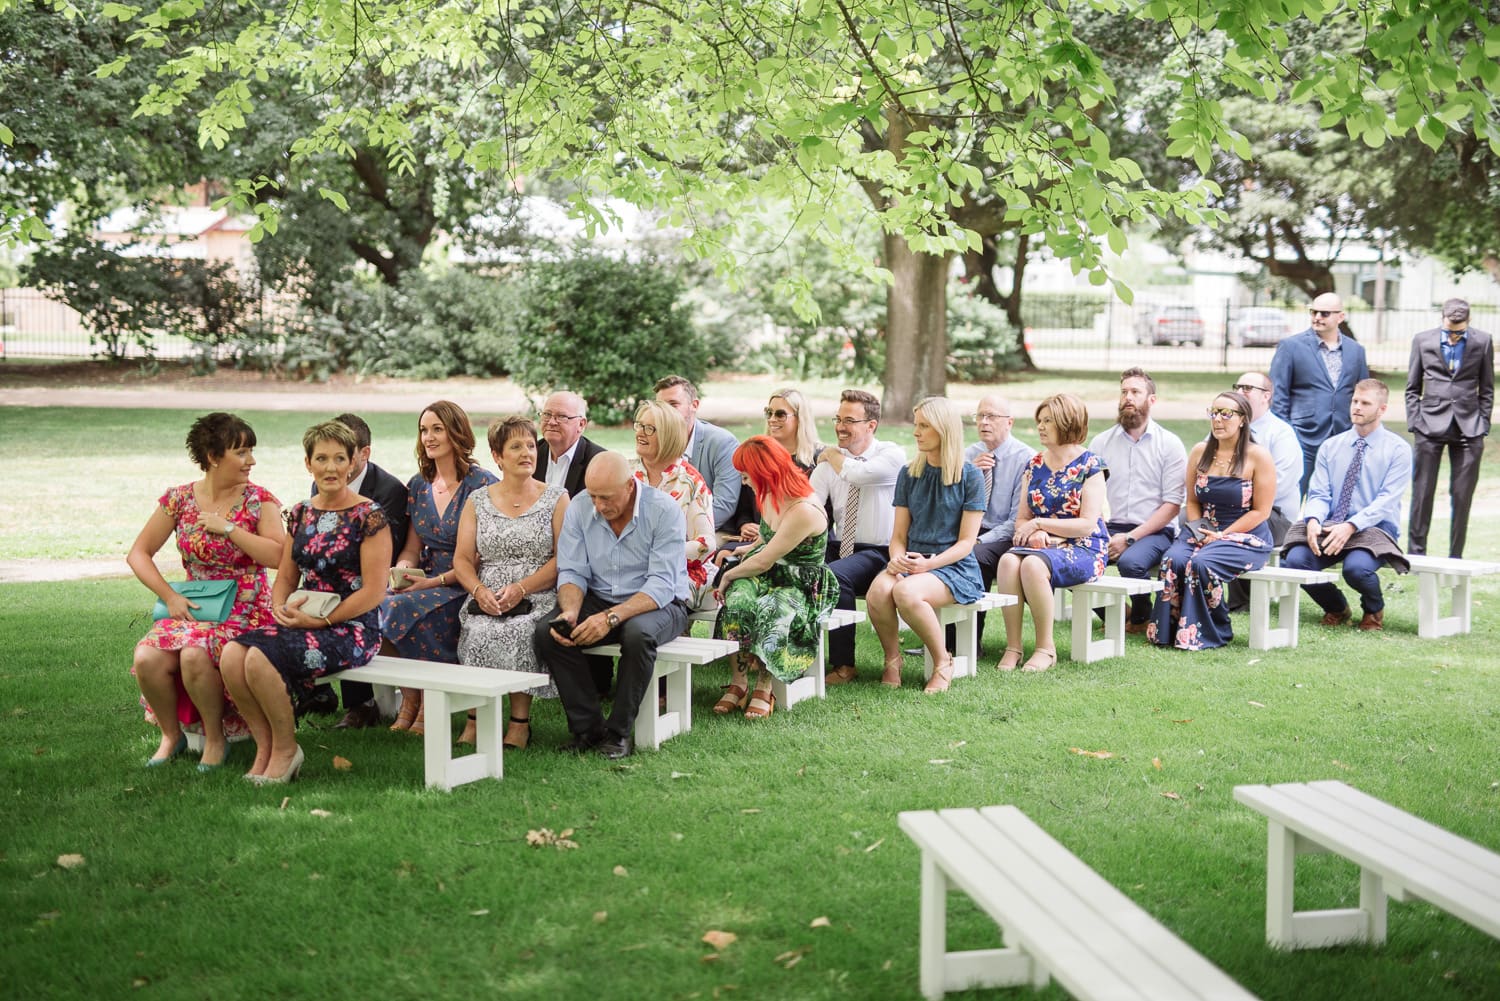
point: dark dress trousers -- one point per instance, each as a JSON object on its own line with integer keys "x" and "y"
{"x": 1447, "y": 411}
{"x": 573, "y": 482}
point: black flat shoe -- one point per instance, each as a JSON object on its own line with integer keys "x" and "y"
{"x": 614, "y": 748}
{"x": 360, "y": 717}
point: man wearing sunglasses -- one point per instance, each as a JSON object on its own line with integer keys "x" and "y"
{"x": 1314, "y": 373}
{"x": 1450, "y": 392}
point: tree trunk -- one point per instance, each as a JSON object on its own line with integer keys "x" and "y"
{"x": 916, "y": 328}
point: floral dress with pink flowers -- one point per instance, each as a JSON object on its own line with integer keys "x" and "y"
{"x": 686, "y": 486}
{"x": 1190, "y": 613}
{"x": 209, "y": 556}
{"x": 326, "y": 547}
{"x": 1058, "y": 493}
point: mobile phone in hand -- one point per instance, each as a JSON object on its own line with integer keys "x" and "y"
{"x": 563, "y": 627}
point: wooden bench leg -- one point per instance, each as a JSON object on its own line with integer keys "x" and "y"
{"x": 654, "y": 726}
{"x": 1431, "y": 622}
{"x": 942, "y": 971}
{"x": 1087, "y": 649}
{"x": 1287, "y": 928}
{"x": 442, "y": 769}
{"x": 1287, "y": 596}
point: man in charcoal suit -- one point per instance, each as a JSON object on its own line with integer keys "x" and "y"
{"x": 563, "y": 453}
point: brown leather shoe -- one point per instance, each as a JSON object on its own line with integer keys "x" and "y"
{"x": 841, "y": 675}
{"x": 1135, "y": 628}
{"x": 1337, "y": 618}
{"x": 1372, "y": 622}
{"x": 360, "y": 717}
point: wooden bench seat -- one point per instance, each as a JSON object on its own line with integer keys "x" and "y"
{"x": 811, "y": 684}
{"x": 1112, "y": 594}
{"x": 965, "y": 622}
{"x": 1059, "y": 919}
{"x": 1284, "y": 587}
{"x": 447, "y": 689}
{"x": 1439, "y": 574}
{"x": 1400, "y": 857}
{"x": 674, "y": 661}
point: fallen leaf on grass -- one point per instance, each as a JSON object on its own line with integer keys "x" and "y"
{"x": 1340, "y": 764}
{"x": 49, "y": 916}
{"x": 940, "y": 761}
{"x": 1171, "y": 795}
{"x": 342, "y": 764}
{"x": 1258, "y": 705}
{"x": 751, "y": 809}
{"x": 619, "y": 870}
{"x": 709, "y": 957}
{"x": 544, "y": 836}
{"x": 1156, "y": 763}
{"x": 822, "y": 922}
{"x": 720, "y": 940}
{"x": 792, "y": 957}
{"x": 320, "y": 813}
{"x": 70, "y": 861}
{"x": 1092, "y": 754}
{"x": 876, "y": 845}
{"x": 600, "y": 917}
{"x": 139, "y": 982}
{"x": 479, "y": 913}
{"x": 682, "y": 775}
{"x": 1188, "y": 720}
{"x": 957, "y": 744}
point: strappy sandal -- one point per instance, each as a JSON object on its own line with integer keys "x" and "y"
{"x": 1009, "y": 651}
{"x": 942, "y": 677}
{"x": 518, "y": 734}
{"x": 734, "y": 697}
{"x": 1037, "y": 664}
{"x": 408, "y": 713}
{"x": 418, "y": 726}
{"x": 471, "y": 731}
{"x": 762, "y": 704}
{"x": 840, "y": 675}
{"x": 891, "y": 676}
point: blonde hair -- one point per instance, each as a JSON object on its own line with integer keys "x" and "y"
{"x": 807, "y": 431}
{"x": 942, "y": 413}
{"x": 671, "y": 430}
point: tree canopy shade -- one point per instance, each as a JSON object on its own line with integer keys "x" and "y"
{"x": 955, "y": 121}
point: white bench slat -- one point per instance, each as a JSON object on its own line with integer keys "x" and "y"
{"x": 1400, "y": 855}
{"x": 674, "y": 662}
{"x": 812, "y": 684}
{"x": 1283, "y": 586}
{"x": 965, "y": 622}
{"x": 1059, "y": 917}
{"x": 1437, "y": 575}
{"x": 457, "y": 679}
{"x": 1112, "y": 594}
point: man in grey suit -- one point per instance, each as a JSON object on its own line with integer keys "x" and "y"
{"x": 1450, "y": 392}
{"x": 1313, "y": 374}
{"x": 710, "y": 449}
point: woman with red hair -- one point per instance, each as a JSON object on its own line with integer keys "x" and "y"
{"x": 776, "y": 597}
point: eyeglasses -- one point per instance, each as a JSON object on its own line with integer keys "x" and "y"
{"x": 1325, "y": 312}
{"x": 1245, "y": 387}
{"x": 779, "y": 415}
{"x": 985, "y": 416}
{"x": 849, "y": 422}
{"x": 548, "y": 417}
{"x": 1223, "y": 413}
{"x": 649, "y": 430}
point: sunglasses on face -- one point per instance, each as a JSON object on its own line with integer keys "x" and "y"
{"x": 1325, "y": 313}
{"x": 1222, "y": 413}
{"x": 1245, "y": 387}
{"x": 779, "y": 415}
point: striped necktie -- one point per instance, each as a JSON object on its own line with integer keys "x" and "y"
{"x": 850, "y": 523}
{"x": 1346, "y": 492}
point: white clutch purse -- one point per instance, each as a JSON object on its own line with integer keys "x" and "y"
{"x": 318, "y": 604}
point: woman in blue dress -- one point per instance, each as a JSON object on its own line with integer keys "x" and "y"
{"x": 1060, "y": 538}
{"x": 420, "y": 620}
{"x": 1231, "y": 487}
{"x": 336, "y": 541}
{"x": 939, "y": 501}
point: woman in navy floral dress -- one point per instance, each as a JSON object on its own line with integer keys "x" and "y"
{"x": 337, "y": 541}
{"x": 420, "y": 621}
{"x": 1060, "y": 538}
{"x": 1231, "y": 486}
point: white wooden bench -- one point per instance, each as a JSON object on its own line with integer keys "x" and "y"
{"x": 1112, "y": 594}
{"x": 965, "y": 622}
{"x": 1059, "y": 919}
{"x": 674, "y": 661}
{"x": 1437, "y": 574}
{"x": 811, "y": 684}
{"x": 1400, "y": 857}
{"x": 1283, "y": 586}
{"x": 447, "y": 689}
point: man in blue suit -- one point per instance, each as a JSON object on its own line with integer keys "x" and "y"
{"x": 1312, "y": 377}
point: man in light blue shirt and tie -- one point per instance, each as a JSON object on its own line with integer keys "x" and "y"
{"x": 1002, "y": 460}
{"x": 1353, "y": 503}
{"x": 621, "y": 578}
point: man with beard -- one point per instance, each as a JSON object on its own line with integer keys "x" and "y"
{"x": 1314, "y": 373}
{"x": 1146, "y": 470}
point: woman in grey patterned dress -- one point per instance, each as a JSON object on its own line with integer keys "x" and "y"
{"x": 507, "y": 555}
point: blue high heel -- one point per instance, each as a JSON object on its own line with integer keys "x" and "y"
{"x": 177, "y": 749}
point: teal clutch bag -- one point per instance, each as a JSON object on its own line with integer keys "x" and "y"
{"x": 214, "y": 599}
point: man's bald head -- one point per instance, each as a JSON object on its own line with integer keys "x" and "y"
{"x": 1327, "y": 314}
{"x": 610, "y": 485}
{"x": 993, "y": 420}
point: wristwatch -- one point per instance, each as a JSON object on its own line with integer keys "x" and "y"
{"x": 1129, "y": 540}
{"x": 229, "y": 528}
{"x": 612, "y": 619}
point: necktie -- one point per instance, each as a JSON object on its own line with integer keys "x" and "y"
{"x": 1346, "y": 492}
{"x": 850, "y": 523}
{"x": 989, "y": 483}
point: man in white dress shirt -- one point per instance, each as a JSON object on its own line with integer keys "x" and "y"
{"x": 710, "y": 449}
{"x": 563, "y": 453}
{"x": 1147, "y": 484}
{"x": 859, "y": 479}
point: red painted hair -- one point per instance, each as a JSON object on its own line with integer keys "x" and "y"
{"x": 772, "y": 474}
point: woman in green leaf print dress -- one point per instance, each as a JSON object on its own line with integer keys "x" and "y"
{"x": 776, "y": 597}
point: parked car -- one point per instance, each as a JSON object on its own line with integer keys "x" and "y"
{"x": 1259, "y": 327}
{"x": 1174, "y": 323}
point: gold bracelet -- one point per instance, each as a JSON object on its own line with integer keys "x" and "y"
{"x": 329, "y": 621}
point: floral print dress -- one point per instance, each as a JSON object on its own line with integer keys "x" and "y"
{"x": 686, "y": 486}
{"x": 1058, "y": 493}
{"x": 778, "y": 616}
{"x": 326, "y": 547}
{"x": 1190, "y": 613}
{"x": 209, "y": 556}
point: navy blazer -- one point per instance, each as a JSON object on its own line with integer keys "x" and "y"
{"x": 573, "y": 481}
{"x": 1304, "y": 396}
{"x": 1435, "y": 398}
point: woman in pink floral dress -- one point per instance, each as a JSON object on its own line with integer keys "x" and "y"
{"x": 660, "y": 438}
{"x": 227, "y": 528}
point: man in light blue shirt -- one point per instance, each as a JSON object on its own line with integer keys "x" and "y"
{"x": 1277, "y": 437}
{"x": 1003, "y": 460}
{"x": 710, "y": 449}
{"x": 1353, "y": 503}
{"x": 621, "y": 578}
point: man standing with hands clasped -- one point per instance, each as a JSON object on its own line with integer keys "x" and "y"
{"x": 1450, "y": 393}
{"x": 1314, "y": 373}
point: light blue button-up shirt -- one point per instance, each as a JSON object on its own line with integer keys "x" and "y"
{"x": 1383, "y": 478}
{"x": 1278, "y": 438}
{"x": 649, "y": 557}
{"x": 999, "y": 521}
